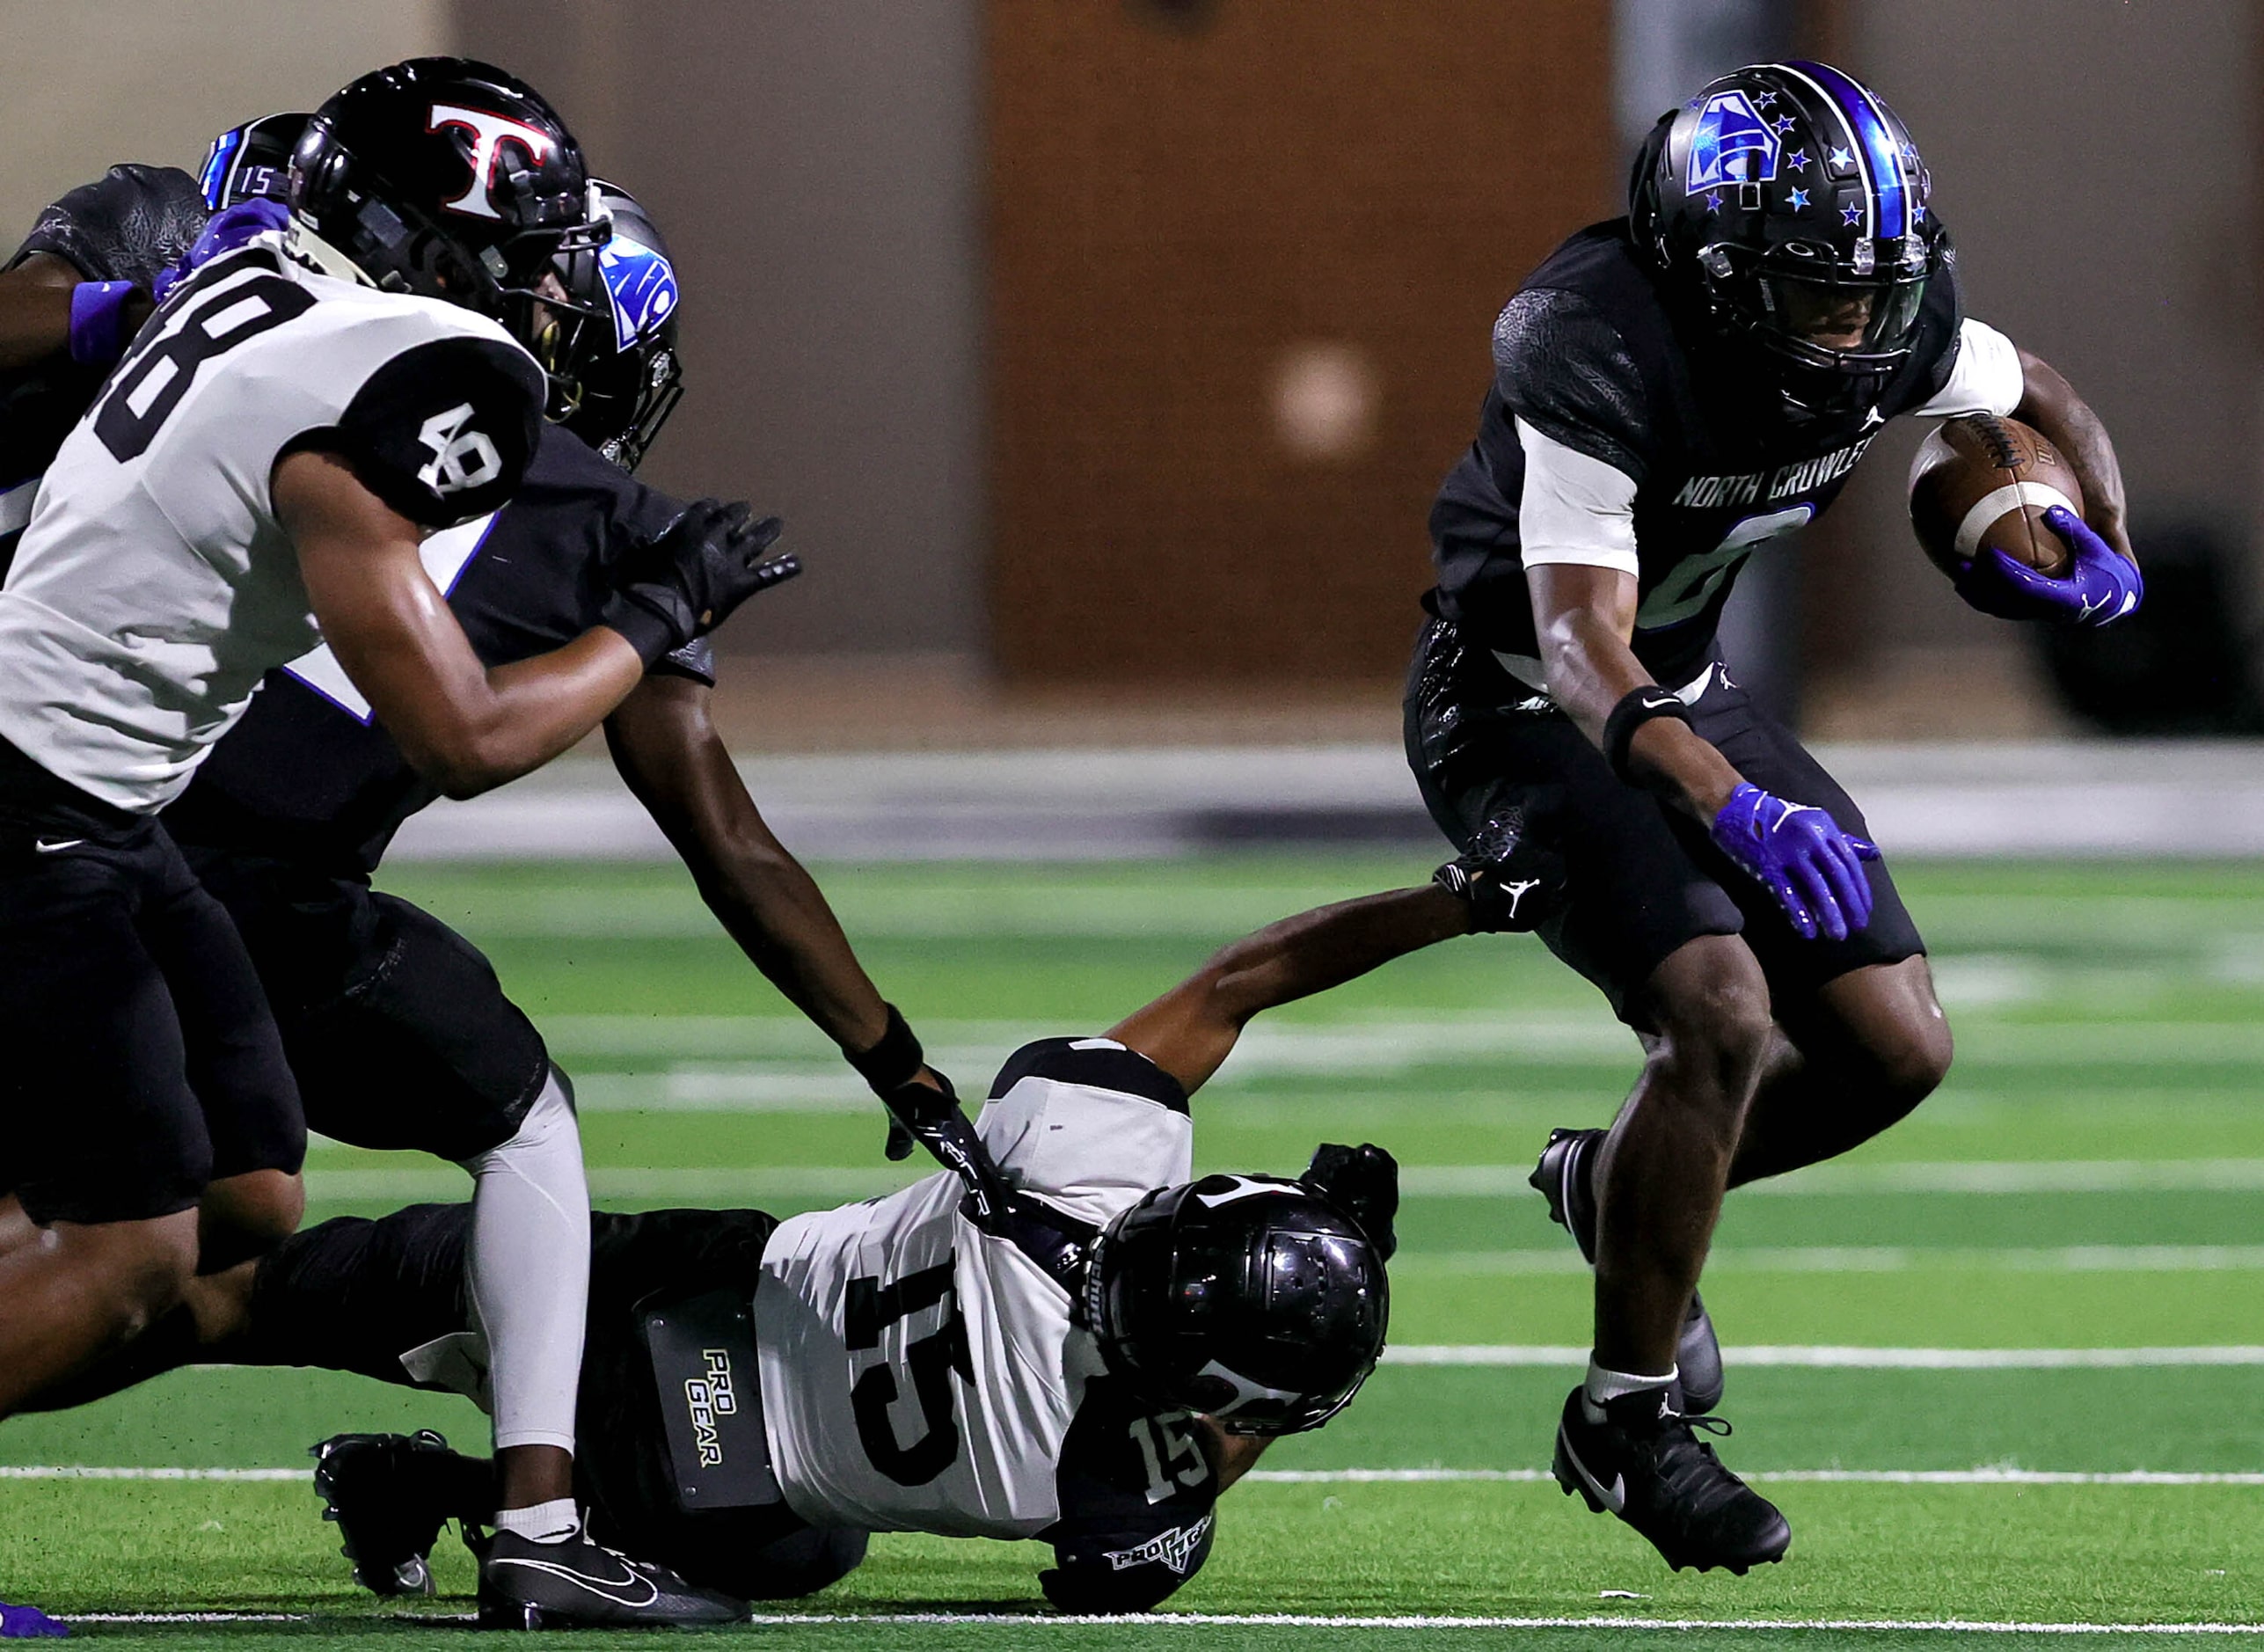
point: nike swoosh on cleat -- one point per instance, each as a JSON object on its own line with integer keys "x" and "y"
{"x": 1614, "y": 1496}
{"x": 603, "y": 1588}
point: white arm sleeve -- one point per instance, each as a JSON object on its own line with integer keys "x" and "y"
{"x": 1574, "y": 509}
{"x": 1986, "y": 377}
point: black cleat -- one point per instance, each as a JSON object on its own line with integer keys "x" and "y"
{"x": 1562, "y": 1177}
{"x": 1644, "y": 1463}
{"x": 384, "y": 1509}
{"x": 579, "y": 1584}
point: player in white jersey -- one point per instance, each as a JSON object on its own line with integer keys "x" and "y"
{"x": 1061, "y": 1338}
{"x": 256, "y": 478}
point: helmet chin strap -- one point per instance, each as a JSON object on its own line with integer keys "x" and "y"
{"x": 301, "y": 242}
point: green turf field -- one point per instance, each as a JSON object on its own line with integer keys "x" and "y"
{"x": 2004, "y": 1366}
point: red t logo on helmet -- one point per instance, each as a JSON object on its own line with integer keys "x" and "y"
{"x": 490, "y": 132}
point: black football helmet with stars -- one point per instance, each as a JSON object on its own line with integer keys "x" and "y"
{"x": 451, "y": 179}
{"x": 1787, "y": 190}
{"x": 1255, "y": 1301}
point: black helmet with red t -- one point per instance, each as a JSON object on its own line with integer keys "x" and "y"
{"x": 454, "y": 180}
{"x": 1789, "y": 202}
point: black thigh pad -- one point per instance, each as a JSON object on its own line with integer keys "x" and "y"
{"x": 422, "y": 1049}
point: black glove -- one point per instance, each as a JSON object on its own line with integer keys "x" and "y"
{"x": 1363, "y": 1182}
{"x": 1509, "y": 880}
{"x": 891, "y": 1068}
{"x": 913, "y": 1100}
{"x": 684, "y": 581}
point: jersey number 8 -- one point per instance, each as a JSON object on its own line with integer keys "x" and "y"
{"x": 1690, "y": 585}
{"x": 157, "y": 372}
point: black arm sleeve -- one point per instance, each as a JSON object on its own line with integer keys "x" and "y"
{"x": 126, "y": 226}
{"x": 1565, "y": 370}
{"x": 1137, "y": 1495}
{"x": 443, "y": 431}
{"x": 634, "y": 513}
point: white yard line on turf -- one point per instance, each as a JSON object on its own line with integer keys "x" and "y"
{"x": 1300, "y": 1620}
{"x": 1841, "y": 1358}
{"x": 1403, "y": 1041}
{"x": 1294, "y": 1620}
{"x": 1982, "y": 1476}
{"x": 1960, "y": 1176}
{"x": 76, "y": 1471}
{"x": 1802, "y": 1476}
{"x": 1871, "y": 1259}
{"x": 1416, "y": 1181}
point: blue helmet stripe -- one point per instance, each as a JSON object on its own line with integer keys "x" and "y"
{"x": 1889, "y": 187}
{"x": 214, "y": 179}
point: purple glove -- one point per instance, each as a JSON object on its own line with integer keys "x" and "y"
{"x": 225, "y": 231}
{"x": 1797, "y": 853}
{"x": 2101, "y": 587}
{"x": 25, "y": 1623}
{"x": 98, "y": 321}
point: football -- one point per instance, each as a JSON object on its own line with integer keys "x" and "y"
{"x": 1984, "y": 481}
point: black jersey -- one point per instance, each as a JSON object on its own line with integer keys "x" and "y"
{"x": 310, "y": 776}
{"x": 1590, "y": 355}
{"x": 127, "y": 226}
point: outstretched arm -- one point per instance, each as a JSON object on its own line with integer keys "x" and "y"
{"x": 466, "y": 726}
{"x": 666, "y": 750}
{"x": 1192, "y": 1029}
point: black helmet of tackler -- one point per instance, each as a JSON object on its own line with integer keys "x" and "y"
{"x": 454, "y": 180}
{"x": 1246, "y": 1298}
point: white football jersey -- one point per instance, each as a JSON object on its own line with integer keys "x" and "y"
{"x": 919, "y": 1374}
{"x": 153, "y": 587}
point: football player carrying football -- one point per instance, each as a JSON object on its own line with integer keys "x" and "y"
{"x": 267, "y": 458}
{"x": 1062, "y": 1336}
{"x": 1673, "y": 391}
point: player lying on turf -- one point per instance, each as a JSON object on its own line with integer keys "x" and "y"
{"x": 1005, "y": 1352}
{"x": 269, "y": 454}
{"x": 396, "y": 1030}
{"x": 1673, "y": 391}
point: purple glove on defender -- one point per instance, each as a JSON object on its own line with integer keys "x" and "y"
{"x": 1796, "y": 852}
{"x": 26, "y": 1622}
{"x": 225, "y": 231}
{"x": 2101, "y": 587}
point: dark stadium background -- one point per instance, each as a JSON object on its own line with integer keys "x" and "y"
{"x": 996, "y": 300}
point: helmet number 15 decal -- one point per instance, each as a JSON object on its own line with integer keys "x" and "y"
{"x": 928, "y": 1364}
{"x": 159, "y": 370}
{"x": 1690, "y": 585}
{"x": 1171, "y": 1453}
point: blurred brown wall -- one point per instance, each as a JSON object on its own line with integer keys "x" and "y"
{"x": 2098, "y": 165}
{"x": 814, "y": 165}
{"x": 1196, "y": 210}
